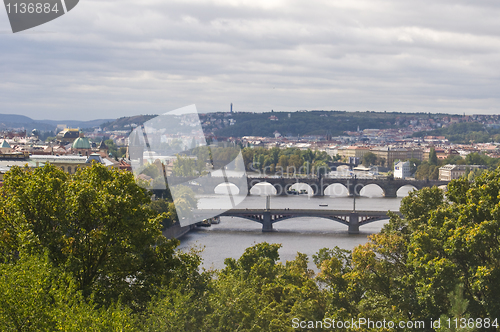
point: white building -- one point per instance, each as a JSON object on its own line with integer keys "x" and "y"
{"x": 402, "y": 170}
{"x": 452, "y": 172}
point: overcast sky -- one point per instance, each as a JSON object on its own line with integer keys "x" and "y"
{"x": 113, "y": 58}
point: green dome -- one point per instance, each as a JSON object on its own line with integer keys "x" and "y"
{"x": 81, "y": 143}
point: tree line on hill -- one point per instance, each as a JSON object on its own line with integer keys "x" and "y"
{"x": 464, "y": 133}
{"x": 85, "y": 252}
{"x": 307, "y": 123}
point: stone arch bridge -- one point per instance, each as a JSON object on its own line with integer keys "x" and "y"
{"x": 318, "y": 184}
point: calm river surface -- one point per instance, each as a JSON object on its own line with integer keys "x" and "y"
{"x": 307, "y": 235}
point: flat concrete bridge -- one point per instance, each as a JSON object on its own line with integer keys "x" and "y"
{"x": 267, "y": 217}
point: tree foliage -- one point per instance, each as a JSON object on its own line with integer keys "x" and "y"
{"x": 291, "y": 161}
{"x": 306, "y": 123}
{"x": 427, "y": 171}
{"x": 369, "y": 159}
{"x": 95, "y": 224}
{"x": 36, "y": 296}
{"x": 85, "y": 251}
{"x": 465, "y": 133}
{"x": 433, "y": 160}
{"x": 253, "y": 293}
{"x": 416, "y": 262}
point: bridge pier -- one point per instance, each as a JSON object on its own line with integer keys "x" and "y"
{"x": 390, "y": 191}
{"x": 353, "y": 223}
{"x": 280, "y": 190}
{"x": 318, "y": 190}
{"x": 354, "y": 189}
{"x": 267, "y": 225}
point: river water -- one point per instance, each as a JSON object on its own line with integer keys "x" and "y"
{"x": 307, "y": 235}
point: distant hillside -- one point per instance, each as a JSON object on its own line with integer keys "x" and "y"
{"x": 464, "y": 133}
{"x": 307, "y": 123}
{"x": 15, "y": 118}
{"x": 14, "y": 121}
{"x": 127, "y": 122}
{"x": 76, "y": 123}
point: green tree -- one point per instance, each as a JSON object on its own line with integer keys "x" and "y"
{"x": 275, "y": 153}
{"x": 184, "y": 166}
{"x": 422, "y": 172}
{"x": 321, "y": 167}
{"x": 433, "y": 160}
{"x": 248, "y": 155}
{"x": 386, "y": 273}
{"x": 112, "y": 148}
{"x": 434, "y": 172}
{"x": 335, "y": 277}
{"x": 151, "y": 170}
{"x": 36, "y": 296}
{"x": 426, "y": 171}
{"x": 414, "y": 163}
{"x": 453, "y": 160}
{"x": 474, "y": 174}
{"x": 410, "y": 268}
{"x": 256, "y": 293}
{"x": 458, "y": 306}
{"x": 283, "y": 163}
{"x": 296, "y": 162}
{"x": 184, "y": 201}
{"x": 308, "y": 156}
{"x": 168, "y": 208}
{"x": 369, "y": 159}
{"x": 476, "y": 159}
{"x": 95, "y": 224}
{"x": 182, "y": 305}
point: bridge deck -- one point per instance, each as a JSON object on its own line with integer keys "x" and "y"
{"x": 308, "y": 212}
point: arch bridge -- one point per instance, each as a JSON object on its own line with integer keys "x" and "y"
{"x": 318, "y": 184}
{"x": 267, "y": 217}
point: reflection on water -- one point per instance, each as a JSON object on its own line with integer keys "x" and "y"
{"x": 307, "y": 234}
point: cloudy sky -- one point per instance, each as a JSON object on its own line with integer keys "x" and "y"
{"x": 113, "y": 58}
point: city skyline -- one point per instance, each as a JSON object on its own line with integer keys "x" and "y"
{"x": 111, "y": 59}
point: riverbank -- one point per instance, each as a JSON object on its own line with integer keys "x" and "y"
{"x": 176, "y": 231}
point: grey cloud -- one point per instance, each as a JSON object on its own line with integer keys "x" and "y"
{"x": 115, "y": 58}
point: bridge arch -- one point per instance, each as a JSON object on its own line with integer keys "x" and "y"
{"x": 226, "y": 188}
{"x": 298, "y": 187}
{"x": 274, "y": 219}
{"x": 372, "y": 190}
{"x": 336, "y": 189}
{"x": 263, "y": 188}
{"x": 404, "y": 190}
{"x": 349, "y": 218}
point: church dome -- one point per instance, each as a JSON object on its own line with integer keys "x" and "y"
{"x": 81, "y": 143}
